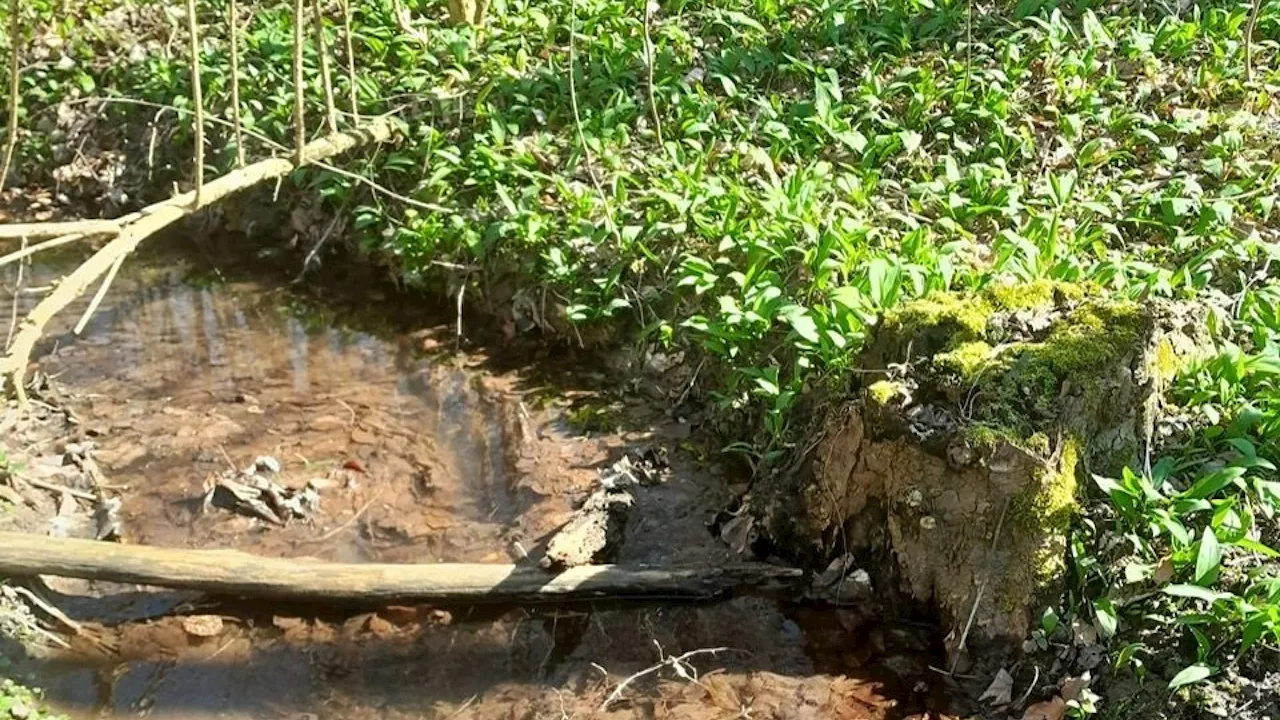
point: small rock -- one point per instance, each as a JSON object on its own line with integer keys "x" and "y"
{"x": 266, "y": 463}
{"x": 327, "y": 422}
{"x": 19, "y": 711}
{"x": 203, "y": 626}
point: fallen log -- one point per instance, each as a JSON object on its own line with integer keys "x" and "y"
{"x": 232, "y": 573}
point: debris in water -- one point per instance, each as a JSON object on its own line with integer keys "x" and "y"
{"x": 252, "y": 494}
{"x": 266, "y": 463}
{"x": 593, "y": 532}
{"x": 842, "y": 582}
{"x": 202, "y": 626}
{"x": 106, "y": 519}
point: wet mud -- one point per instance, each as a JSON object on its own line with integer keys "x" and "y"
{"x": 193, "y": 367}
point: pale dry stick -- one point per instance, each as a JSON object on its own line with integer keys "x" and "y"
{"x": 98, "y": 296}
{"x": 17, "y": 289}
{"x": 326, "y": 83}
{"x": 1248, "y": 39}
{"x": 649, "y": 7}
{"x": 49, "y": 609}
{"x": 299, "y": 107}
{"x": 234, "y": 28}
{"x": 57, "y": 229}
{"x": 150, "y": 221}
{"x": 351, "y": 59}
{"x": 197, "y": 98}
{"x": 324, "y": 237}
{"x": 51, "y": 487}
{"x": 676, "y": 662}
{"x": 354, "y": 517}
{"x": 11, "y": 135}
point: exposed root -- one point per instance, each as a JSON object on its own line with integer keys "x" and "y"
{"x": 678, "y": 663}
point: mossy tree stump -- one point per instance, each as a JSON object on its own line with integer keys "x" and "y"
{"x": 957, "y": 461}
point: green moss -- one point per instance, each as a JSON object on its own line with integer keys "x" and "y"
{"x": 963, "y": 317}
{"x": 1036, "y": 295}
{"x": 964, "y": 360}
{"x": 1049, "y": 505}
{"x": 882, "y": 392}
{"x": 1093, "y": 335}
{"x": 1165, "y": 362}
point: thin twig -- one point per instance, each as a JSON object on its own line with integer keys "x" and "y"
{"x": 326, "y": 83}
{"x": 299, "y": 107}
{"x": 649, "y": 7}
{"x": 11, "y": 136}
{"x": 49, "y": 609}
{"x": 677, "y": 662}
{"x": 351, "y": 60}
{"x": 98, "y": 296}
{"x": 315, "y": 250}
{"x": 51, "y": 487}
{"x": 461, "y": 292}
{"x": 1030, "y": 688}
{"x": 347, "y": 524}
{"x": 234, "y": 29}
{"x": 17, "y": 288}
{"x": 1248, "y": 39}
{"x": 197, "y": 98}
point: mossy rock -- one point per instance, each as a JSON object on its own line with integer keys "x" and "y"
{"x": 958, "y": 463}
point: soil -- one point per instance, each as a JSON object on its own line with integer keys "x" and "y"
{"x": 204, "y": 358}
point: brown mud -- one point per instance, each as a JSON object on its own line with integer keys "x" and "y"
{"x": 207, "y": 358}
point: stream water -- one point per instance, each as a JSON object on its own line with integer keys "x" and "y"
{"x": 203, "y": 359}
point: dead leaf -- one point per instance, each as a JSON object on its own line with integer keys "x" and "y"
{"x": 1072, "y": 687}
{"x": 355, "y": 465}
{"x": 204, "y": 626}
{"x": 1164, "y": 571}
{"x": 1051, "y": 710}
{"x": 1000, "y": 691}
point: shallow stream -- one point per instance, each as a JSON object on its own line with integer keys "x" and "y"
{"x": 201, "y": 360}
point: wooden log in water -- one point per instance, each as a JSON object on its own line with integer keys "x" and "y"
{"x": 232, "y": 573}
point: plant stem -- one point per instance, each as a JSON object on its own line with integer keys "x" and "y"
{"x": 233, "y": 28}
{"x": 299, "y": 107}
{"x": 197, "y": 98}
{"x": 331, "y": 110}
{"x": 11, "y": 136}
{"x": 351, "y": 60}
{"x": 1248, "y": 39}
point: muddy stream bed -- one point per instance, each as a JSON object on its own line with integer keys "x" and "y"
{"x": 196, "y": 362}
